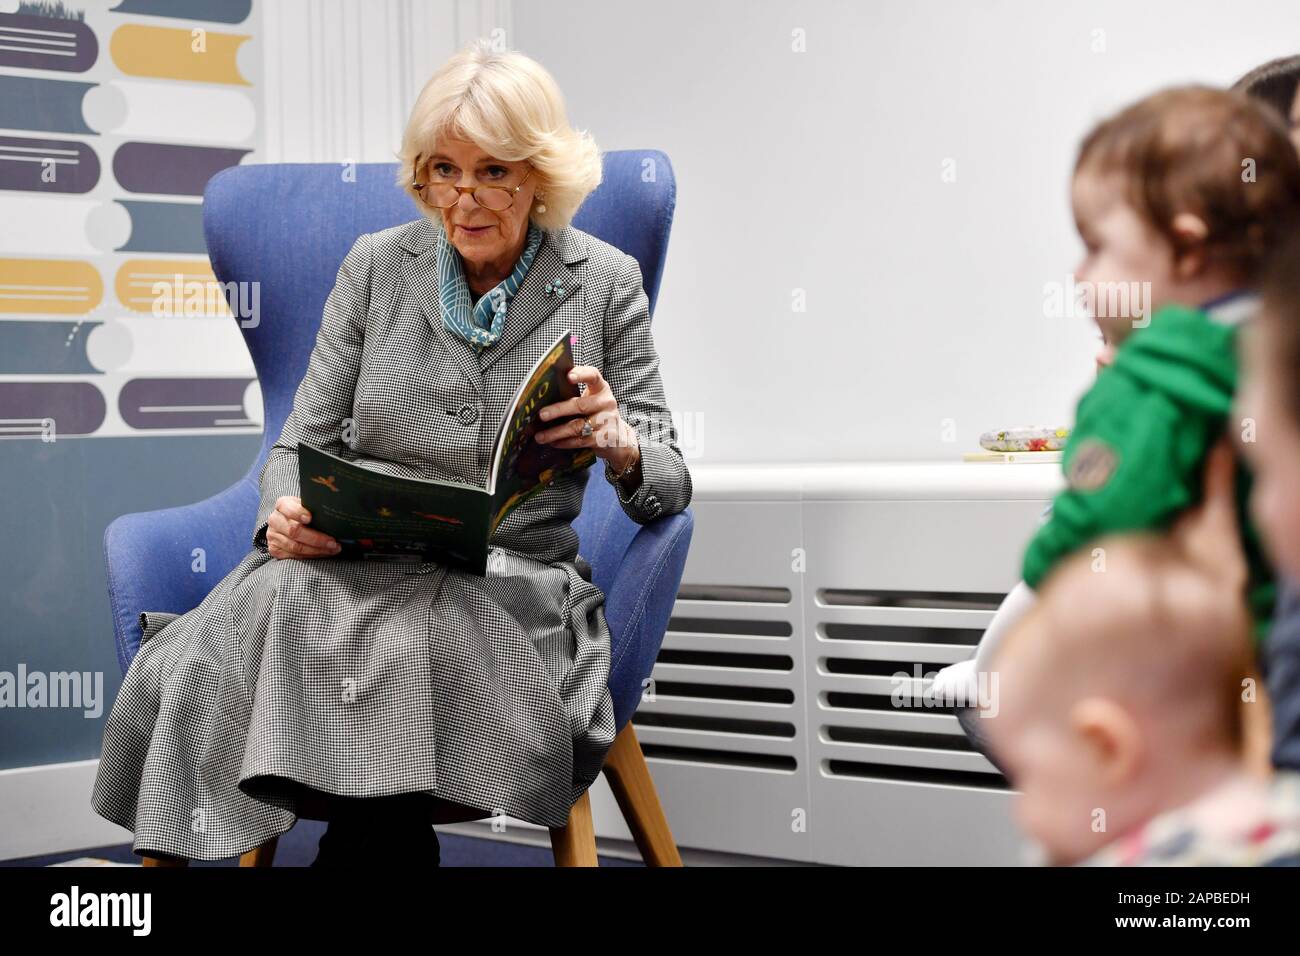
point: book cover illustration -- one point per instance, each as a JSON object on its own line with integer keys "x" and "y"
{"x": 380, "y": 517}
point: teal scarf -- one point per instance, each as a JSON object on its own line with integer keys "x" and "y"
{"x": 479, "y": 325}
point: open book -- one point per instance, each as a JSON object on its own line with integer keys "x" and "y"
{"x": 378, "y": 517}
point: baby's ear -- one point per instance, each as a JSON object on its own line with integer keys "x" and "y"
{"x": 1190, "y": 233}
{"x": 1110, "y": 736}
{"x": 1189, "y": 226}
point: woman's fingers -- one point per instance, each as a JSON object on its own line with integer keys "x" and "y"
{"x": 291, "y": 507}
{"x": 581, "y": 405}
{"x": 282, "y": 546}
{"x": 590, "y": 375}
{"x": 286, "y": 523}
{"x": 596, "y": 398}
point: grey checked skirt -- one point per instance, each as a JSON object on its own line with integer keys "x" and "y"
{"x": 359, "y": 680}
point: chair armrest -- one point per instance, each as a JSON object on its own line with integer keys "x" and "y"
{"x": 169, "y": 560}
{"x": 640, "y": 603}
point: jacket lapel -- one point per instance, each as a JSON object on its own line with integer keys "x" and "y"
{"x": 532, "y": 304}
{"x": 421, "y": 276}
{"x": 556, "y": 258}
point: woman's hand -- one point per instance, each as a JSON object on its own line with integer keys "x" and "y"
{"x": 287, "y": 534}
{"x": 611, "y": 437}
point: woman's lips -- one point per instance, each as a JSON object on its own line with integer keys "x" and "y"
{"x": 473, "y": 230}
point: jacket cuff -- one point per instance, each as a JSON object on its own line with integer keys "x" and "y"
{"x": 279, "y": 478}
{"x": 643, "y": 505}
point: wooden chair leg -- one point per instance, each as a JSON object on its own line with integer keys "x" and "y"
{"x": 575, "y": 844}
{"x": 262, "y": 855}
{"x": 164, "y": 861}
{"x": 629, "y": 778}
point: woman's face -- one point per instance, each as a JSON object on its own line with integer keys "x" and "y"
{"x": 482, "y": 236}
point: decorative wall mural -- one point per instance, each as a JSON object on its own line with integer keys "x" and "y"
{"x": 114, "y": 114}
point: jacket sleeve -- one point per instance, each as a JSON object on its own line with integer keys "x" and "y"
{"x": 1133, "y": 462}
{"x": 323, "y": 403}
{"x": 632, "y": 371}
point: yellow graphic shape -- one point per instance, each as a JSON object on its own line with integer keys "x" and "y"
{"x": 171, "y": 287}
{"x": 173, "y": 54}
{"x": 49, "y": 286}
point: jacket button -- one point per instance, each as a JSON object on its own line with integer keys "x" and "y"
{"x": 468, "y": 414}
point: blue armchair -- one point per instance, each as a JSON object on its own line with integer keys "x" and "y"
{"x": 288, "y": 227}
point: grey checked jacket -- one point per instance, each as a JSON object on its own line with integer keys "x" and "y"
{"x": 421, "y": 403}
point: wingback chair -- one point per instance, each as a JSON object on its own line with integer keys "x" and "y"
{"x": 288, "y": 227}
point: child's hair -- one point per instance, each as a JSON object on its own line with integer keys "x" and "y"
{"x": 1280, "y": 312}
{"x": 1273, "y": 83}
{"x": 1217, "y": 154}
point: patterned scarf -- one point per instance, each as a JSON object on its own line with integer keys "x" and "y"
{"x": 481, "y": 324}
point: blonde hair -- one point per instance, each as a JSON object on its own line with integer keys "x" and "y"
{"x": 508, "y": 105}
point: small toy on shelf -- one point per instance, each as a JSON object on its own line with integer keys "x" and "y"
{"x": 1029, "y": 443}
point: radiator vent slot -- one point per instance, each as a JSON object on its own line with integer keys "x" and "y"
{"x": 881, "y": 702}
{"x": 947, "y": 600}
{"x": 713, "y": 625}
{"x": 846, "y": 665}
{"x": 753, "y": 695}
{"x": 733, "y": 592}
{"x": 728, "y": 758}
{"x": 895, "y": 634}
{"x": 719, "y": 725}
{"x": 899, "y": 738}
{"x": 879, "y": 771}
{"x": 763, "y": 662}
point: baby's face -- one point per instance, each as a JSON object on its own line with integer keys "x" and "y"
{"x": 1062, "y": 795}
{"x": 1121, "y": 253}
{"x": 1274, "y": 454}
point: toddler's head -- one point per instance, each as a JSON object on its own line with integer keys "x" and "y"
{"x": 1119, "y": 694}
{"x": 1178, "y": 198}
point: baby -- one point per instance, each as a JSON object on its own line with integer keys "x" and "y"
{"x": 1178, "y": 200}
{"x": 1186, "y": 191}
{"x": 1137, "y": 758}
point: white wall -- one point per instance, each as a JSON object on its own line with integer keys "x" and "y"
{"x": 341, "y": 75}
{"x": 924, "y": 298}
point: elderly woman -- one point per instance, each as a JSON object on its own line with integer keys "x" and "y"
{"x": 384, "y": 697}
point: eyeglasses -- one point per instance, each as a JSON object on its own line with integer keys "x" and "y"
{"x": 446, "y": 195}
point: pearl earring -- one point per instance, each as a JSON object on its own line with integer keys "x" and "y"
{"x": 541, "y": 206}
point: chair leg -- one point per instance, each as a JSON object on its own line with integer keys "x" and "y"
{"x": 629, "y": 778}
{"x": 262, "y": 855}
{"x": 575, "y": 844}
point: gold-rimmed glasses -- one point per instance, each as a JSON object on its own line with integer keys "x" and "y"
{"x": 445, "y": 195}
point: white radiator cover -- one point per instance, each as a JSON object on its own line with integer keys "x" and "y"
{"x": 770, "y": 705}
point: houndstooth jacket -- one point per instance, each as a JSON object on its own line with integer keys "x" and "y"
{"x": 409, "y": 390}
{"x": 489, "y": 691}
